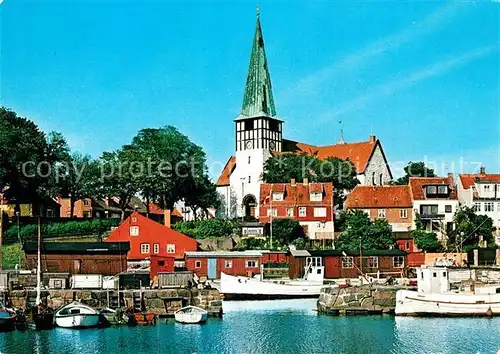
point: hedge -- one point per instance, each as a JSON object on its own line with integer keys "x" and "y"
{"x": 209, "y": 228}
{"x": 97, "y": 227}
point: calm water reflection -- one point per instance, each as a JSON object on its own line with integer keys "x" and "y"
{"x": 272, "y": 327}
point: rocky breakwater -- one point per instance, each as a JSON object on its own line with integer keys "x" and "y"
{"x": 365, "y": 299}
{"x": 162, "y": 302}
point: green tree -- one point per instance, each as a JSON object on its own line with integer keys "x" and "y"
{"x": 285, "y": 231}
{"x": 119, "y": 176}
{"x": 27, "y": 157}
{"x": 426, "y": 241}
{"x": 173, "y": 162}
{"x": 77, "y": 178}
{"x": 415, "y": 169}
{"x": 282, "y": 168}
{"x": 251, "y": 243}
{"x": 200, "y": 194}
{"x": 470, "y": 228}
{"x": 361, "y": 232}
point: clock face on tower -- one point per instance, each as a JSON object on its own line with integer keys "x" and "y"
{"x": 249, "y": 145}
{"x": 272, "y": 145}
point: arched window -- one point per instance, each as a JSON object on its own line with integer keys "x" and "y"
{"x": 373, "y": 178}
{"x": 381, "y": 179}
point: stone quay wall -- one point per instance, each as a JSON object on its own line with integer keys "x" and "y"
{"x": 162, "y": 302}
{"x": 366, "y": 297}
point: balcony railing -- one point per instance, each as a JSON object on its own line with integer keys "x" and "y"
{"x": 431, "y": 216}
{"x": 323, "y": 235}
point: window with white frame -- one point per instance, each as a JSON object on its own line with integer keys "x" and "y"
{"x": 134, "y": 230}
{"x": 486, "y": 187}
{"x": 289, "y": 212}
{"x": 381, "y": 214}
{"x": 278, "y": 196}
{"x": 197, "y": 264}
{"x": 156, "y": 248}
{"x": 228, "y": 264}
{"x": 319, "y": 212}
{"x": 315, "y": 196}
{"x": 272, "y": 212}
{"x": 251, "y": 264}
{"x": 448, "y": 208}
{"x": 398, "y": 262}
{"x": 372, "y": 262}
{"x": 314, "y": 261}
{"x": 403, "y": 214}
{"x": 302, "y": 211}
{"x": 442, "y": 189}
{"x": 171, "y": 248}
{"x": 489, "y": 206}
{"x": 145, "y": 248}
{"x": 347, "y": 262}
{"x": 477, "y": 206}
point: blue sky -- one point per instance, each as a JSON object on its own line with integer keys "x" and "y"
{"x": 422, "y": 76}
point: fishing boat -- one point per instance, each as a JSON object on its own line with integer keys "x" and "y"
{"x": 7, "y": 319}
{"x": 243, "y": 288}
{"x": 139, "y": 317}
{"x": 191, "y": 314}
{"x": 77, "y": 315}
{"x": 435, "y": 296}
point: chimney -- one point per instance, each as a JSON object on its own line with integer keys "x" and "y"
{"x": 166, "y": 217}
{"x": 372, "y": 138}
{"x": 306, "y": 181}
{"x": 483, "y": 170}
{"x": 450, "y": 179}
{"x": 292, "y": 182}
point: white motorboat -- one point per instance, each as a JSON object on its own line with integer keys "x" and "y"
{"x": 434, "y": 296}
{"x": 77, "y": 315}
{"x": 191, "y": 314}
{"x": 241, "y": 288}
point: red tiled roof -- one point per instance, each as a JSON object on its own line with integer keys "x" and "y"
{"x": 226, "y": 172}
{"x": 278, "y": 187}
{"x": 379, "y": 196}
{"x": 296, "y": 194}
{"x": 468, "y": 180}
{"x": 358, "y": 153}
{"x": 177, "y": 213}
{"x": 315, "y": 187}
{"x": 155, "y": 209}
{"x": 417, "y": 185}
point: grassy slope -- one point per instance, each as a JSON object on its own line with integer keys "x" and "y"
{"x": 11, "y": 254}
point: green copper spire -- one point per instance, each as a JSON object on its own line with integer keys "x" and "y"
{"x": 258, "y": 99}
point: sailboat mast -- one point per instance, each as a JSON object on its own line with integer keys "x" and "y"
{"x": 39, "y": 267}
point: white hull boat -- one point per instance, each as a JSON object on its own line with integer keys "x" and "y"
{"x": 77, "y": 315}
{"x": 437, "y": 295}
{"x": 413, "y": 303}
{"x": 191, "y": 314}
{"x": 243, "y": 288}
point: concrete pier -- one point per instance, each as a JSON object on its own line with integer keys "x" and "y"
{"x": 362, "y": 300}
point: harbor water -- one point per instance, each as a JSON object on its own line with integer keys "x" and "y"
{"x": 288, "y": 326}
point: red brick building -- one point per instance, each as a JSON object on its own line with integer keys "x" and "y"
{"x": 147, "y": 237}
{"x": 308, "y": 203}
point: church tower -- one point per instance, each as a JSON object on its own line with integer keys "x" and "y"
{"x": 258, "y": 129}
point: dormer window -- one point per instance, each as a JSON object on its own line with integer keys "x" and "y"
{"x": 431, "y": 190}
{"x": 278, "y": 196}
{"x": 437, "y": 191}
{"x": 315, "y": 196}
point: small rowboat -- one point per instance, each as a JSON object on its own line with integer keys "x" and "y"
{"x": 77, "y": 315}
{"x": 7, "y": 319}
{"x": 141, "y": 318}
{"x": 191, "y": 314}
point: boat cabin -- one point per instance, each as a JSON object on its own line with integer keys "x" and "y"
{"x": 433, "y": 280}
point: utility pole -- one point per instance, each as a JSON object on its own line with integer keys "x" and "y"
{"x": 360, "y": 256}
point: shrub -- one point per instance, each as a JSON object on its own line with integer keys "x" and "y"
{"x": 209, "y": 228}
